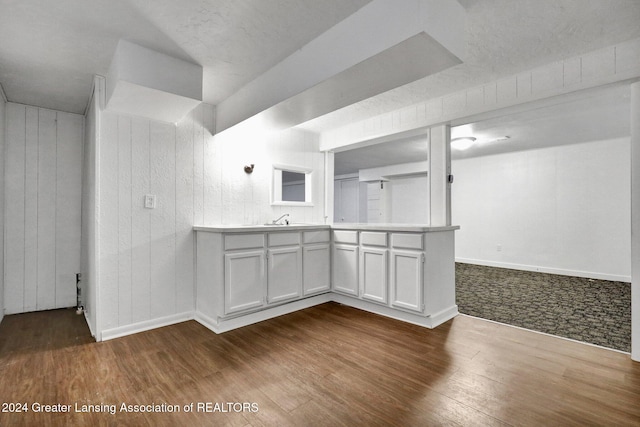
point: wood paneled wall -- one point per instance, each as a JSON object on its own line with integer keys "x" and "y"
{"x": 42, "y": 208}
{"x": 146, "y": 255}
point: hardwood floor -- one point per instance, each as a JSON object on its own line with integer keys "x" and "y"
{"x": 327, "y": 365}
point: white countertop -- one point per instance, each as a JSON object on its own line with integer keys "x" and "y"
{"x": 259, "y": 228}
{"x": 415, "y": 228}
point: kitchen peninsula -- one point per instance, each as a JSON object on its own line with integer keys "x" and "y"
{"x": 246, "y": 274}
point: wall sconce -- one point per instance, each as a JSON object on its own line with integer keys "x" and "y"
{"x": 249, "y": 169}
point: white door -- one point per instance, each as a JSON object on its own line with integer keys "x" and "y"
{"x": 244, "y": 279}
{"x": 316, "y": 268}
{"x": 284, "y": 274}
{"x": 346, "y": 200}
{"x": 373, "y": 274}
{"x": 345, "y": 269}
{"x": 406, "y": 280}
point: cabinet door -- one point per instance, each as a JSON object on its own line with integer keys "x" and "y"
{"x": 244, "y": 278}
{"x": 345, "y": 269}
{"x": 284, "y": 280}
{"x": 316, "y": 268}
{"x": 373, "y": 274}
{"x": 406, "y": 280}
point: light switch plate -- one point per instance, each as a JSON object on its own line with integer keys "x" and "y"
{"x": 150, "y": 201}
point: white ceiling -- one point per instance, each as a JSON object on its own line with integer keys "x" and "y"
{"x": 49, "y": 50}
{"x": 506, "y": 37}
{"x": 593, "y": 115}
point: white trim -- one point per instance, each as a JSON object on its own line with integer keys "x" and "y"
{"x": 225, "y": 325}
{"x": 550, "y": 270}
{"x": 100, "y": 84}
{"x": 147, "y": 325}
{"x": 394, "y": 313}
{"x": 546, "y": 334}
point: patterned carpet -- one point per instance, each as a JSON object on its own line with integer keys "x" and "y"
{"x": 593, "y": 311}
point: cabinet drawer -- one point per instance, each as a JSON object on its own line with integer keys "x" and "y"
{"x": 317, "y": 236}
{"x": 345, "y": 236}
{"x": 373, "y": 238}
{"x": 407, "y": 241}
{"x": 284, "y": 239}
{"x": 243, "y": 241}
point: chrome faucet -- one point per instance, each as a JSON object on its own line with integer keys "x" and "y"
{"x": 276, "y": 221}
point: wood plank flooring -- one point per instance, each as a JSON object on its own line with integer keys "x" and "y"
{"x": 327, "y": 365}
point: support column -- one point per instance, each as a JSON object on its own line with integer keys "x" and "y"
{"x": 635, "y": 221}
{"x": 328, "y": 186}
{"x": 439, "y": 170}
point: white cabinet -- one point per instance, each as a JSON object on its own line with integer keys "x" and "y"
{"x": 316, "y": 268}
{"x": 380, "y": 267}
{"x": 248, "y": 275}
{"x": 345, "y": 269}
{"x": 407, "y": 279}
{"x": 284, "y": 278}
{"x": 373, "y": 274}
{"x": 244, "y": 276}
{"x": 316, "y": 262}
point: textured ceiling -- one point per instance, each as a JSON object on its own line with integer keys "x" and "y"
{"x": 50, "y": 50}
{"x": 506, "y": 37}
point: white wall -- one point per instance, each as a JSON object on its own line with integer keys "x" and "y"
{"x": 562, "y": 210}
{"x": 42, "y": 215}
{"x": 240, "y": 198}
{"x": 88, "y": 242}
{"x": 409, "y": 199}
{"x": 2, "y": 148}
{"x": 146, "y": 256}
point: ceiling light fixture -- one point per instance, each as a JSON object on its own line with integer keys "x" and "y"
{"x": 462, "y": 143}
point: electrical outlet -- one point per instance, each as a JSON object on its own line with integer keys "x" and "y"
{"x": 499, "y": 248}
{"x": 150, "y": 201}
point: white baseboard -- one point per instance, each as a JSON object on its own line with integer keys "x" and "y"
{"x": 550, "y": 270}
{"x": 404, "y": 316}
{"x": 134, "y": 328}
{"x": 225, "y": 325}
{"x": 440, "y": 317}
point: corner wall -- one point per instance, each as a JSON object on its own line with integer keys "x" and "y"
{"x": 562, "y": 210}
{"x": 3, "y": 101}
{"x": 89, "y": 238}
{"x": 145, "y": 257}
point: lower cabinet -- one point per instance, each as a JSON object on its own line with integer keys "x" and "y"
{"x": 384, "y": 268}
{"x": 373, "y": 274}
{"x": 407, "y": 279}
{"x": 345, "y": 269}
{"x": 316, "y": 262}
{"x": 284, "y": 276}
{"x": 244, "y": 278}
{"x": 240, "y": 273}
